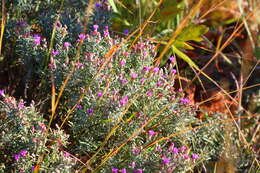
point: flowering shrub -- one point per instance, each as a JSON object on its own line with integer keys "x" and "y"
{"x": 121, "y": 111}
{"x": 23, "y": 142}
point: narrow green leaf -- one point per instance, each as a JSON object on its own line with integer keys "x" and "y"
{"x": 113, "y": 5}
{"x": 257, "y": 53}
{"x": 184, "y": 57}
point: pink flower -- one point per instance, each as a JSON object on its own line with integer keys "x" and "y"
{"x": 134, "y": 75}
{"x": 21, "y": 105}
{"x": 138, "y": 171}
{"x": 114, "y": 170}
{"x": 151, "y": 133}
{"x": 172, "y": 59}
{"x": 124, "y": 100}
{"x": 16, "y": 157}
{"x": 183, "y": 148}
{"x": 122, "y": 63}
{"x": 175, "y": 150}
{"x": 156, "y": 69}
{"x": 173, "y": 71}
{"x": 82, "y": 37}
{"x": 66, "y": 154}
{"x": 185, "y": 156}
{"x": 146, "y": 69}
{"x": 149, "y": 93}
{"x": 166, "y": 160}
{"x": 123, "y": 170}
{"x": 136, "y": 151}
{"x": 124, "y": 81}
{"x": 95, "y": 27}
{"x": 99, "y": 94}
{"x": 23, "y": 153}
{"x": 79, "y": 106}
{"x": 132, "y": 165}
{"x": 37, "y": 40}
{"x": 2, "y": 93}
{"x": 185, "y": 100}
{"x": 158, "y": 84}
{"x": 66, "y": 45}
{"x": 55, "y": 52}
{"x": 194, "y": 156}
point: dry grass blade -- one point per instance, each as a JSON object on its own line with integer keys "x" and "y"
{"x": 3, "y": 21}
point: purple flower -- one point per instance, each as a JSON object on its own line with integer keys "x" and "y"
{"x": 145, "y": 54}
{"x": 185, "y": 100}
{"x": 123, "y": 170}
{"x": 90, "y": 111}
{"x": 23, "y": 153}
{"x": 33, "y": 168}
{"x": 99, "y": 94}
{"x": 95, "y": 27}
{"x": 79, "y": 106}
{"x": 183, "y": 148}
{"x": 173, "y": 71}
{"x": 156, "y": 69}
{"x": 66, "y": 154}
{"x": 66, "y": 45}
{"x": 133, "y": 75}
{"x": 124, "y": 81}
{"x": 185, "y": 156}
{"x": 126, "y": 31}
{"x": 122, "y": 63}
{"x": 132, "y": 165}
{"x": 55, "y": 52}
{"x": 138, "y": 171}
{"x": 17, "y": 157}
{"x": 175, "y": 150}
{"x": 149, "y": 93}
{"x": 106, "y": 33}
{"x": 172, "y": 59}
{"x": 151, "y": 133}
{"x": 79, "y": 65}
{"x": 2, "y": 93}
{"x": 124, "y": 100}
{"x": 97, "y": 5}
{"x": 194, "y": 156}
{"x": 166, "y": 160}
{"x": 146, "y": 69}
{"x": 37, "y": 40}
{"x": 21, "y": 105}
{"x": 82, "y": 37}
{"x": 136, "y": 151}
{"x": 114, "y": 170}
{"x": 158, "y": 84}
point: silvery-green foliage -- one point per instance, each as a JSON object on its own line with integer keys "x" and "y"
{"x": 23, "y": 140}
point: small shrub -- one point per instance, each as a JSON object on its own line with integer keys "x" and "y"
{"x": 23, "y": 142}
